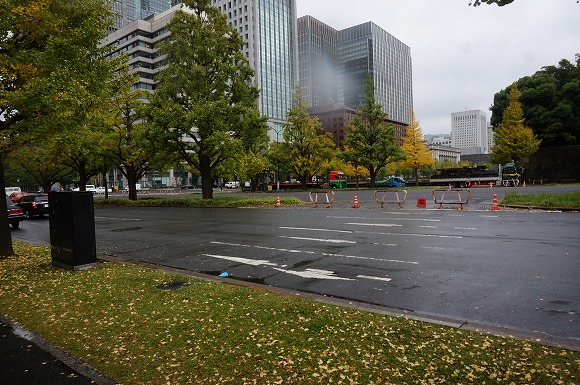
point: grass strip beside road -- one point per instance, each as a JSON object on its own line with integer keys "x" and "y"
{"x": 562, "y": 200}
{"x": 217, "y": 202}
{"x": 115, "y": 318}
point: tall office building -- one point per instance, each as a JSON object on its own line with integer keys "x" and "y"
{"x": 367, "y": 48}
{"x": 345, "y": 58}
{"x": 268, "y": 28}
{"x": 127, "y": 11}
{"x": 317, "y": 61}
{"x": 469, "y": 132}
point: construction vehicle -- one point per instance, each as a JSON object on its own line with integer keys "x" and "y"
{"x": 470, "y": 176}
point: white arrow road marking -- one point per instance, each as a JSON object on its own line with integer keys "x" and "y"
{"x": 315, "y": 273}
{"x": 308, "y": 273}
{"x": 374, "y": 278}
{"x": 317, "y": 239}
{"x": 253, "y": 262}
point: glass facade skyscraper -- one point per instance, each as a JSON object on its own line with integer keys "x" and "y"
{"x": 359, "y": 50}
{"x": 268, "y": 28}
{"x": 367, "y": 48}
{"x": 126, "y": 11}
{"x": 317, "y": 61}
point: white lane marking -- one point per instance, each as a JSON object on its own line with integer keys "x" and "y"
{"x": 428, "y": 227}
{"x": 414, "y": 235}
{"x": 317, "y": 239}
{"x": 374, "y": 224}
{"x": 312, "y": 252}
{"x": 385, "y": 244}
{"x": 314, "y": 229}
{"x": 374, "y": 278}
{"x": 316, "y": 274}
{"x": 119, "y": 219}
{"x": 390, "y": 218}
{"x": 465, "y": 228}
{"x": 253, "y": 262}
{"x": 433, "y": 248}
{"x": 489, "y": 216}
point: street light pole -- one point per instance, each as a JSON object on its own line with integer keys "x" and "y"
{"x": 278, "y": 160}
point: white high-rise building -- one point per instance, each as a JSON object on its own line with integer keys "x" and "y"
{"x": 268, "y": 28}
{"x": 270, "y": 31}
{"x": 469, "y": 132}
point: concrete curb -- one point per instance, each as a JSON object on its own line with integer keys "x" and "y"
{"x": 67, "y": 359}
{"x": 523, "y": 207}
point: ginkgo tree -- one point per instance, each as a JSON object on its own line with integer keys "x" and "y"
{"x": 304, "y": 150}
{"x": 418, "y": 155}
{"x": 512, "y": 139}
{"x": 371, "y": 141}
{"x": 52, "y": 71}
{"x": 205, "y": 101}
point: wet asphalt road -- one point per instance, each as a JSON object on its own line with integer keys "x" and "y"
{"x": 514, "y": 269}
{"x": 24, "y": 363}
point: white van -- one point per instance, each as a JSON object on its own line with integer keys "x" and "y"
{"x": 10, "y": 190}
{"x": 232, "y": 184}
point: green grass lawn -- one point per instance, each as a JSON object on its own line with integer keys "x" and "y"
{"x": 116, "y": 318}
{"x": 218, "y": 201}
{"x": 569, "y": 200}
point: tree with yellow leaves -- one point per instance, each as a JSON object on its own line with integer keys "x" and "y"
{"x": 512, "y": 139}
{"x": 418, "y": 155}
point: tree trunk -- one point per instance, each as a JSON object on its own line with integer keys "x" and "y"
{"x": 83, "y": 178}
{"x": 106, "y": 182}
{"x": 132, "y": 183}
{"x": 6, "y": 248}
{"x": 416, "y": 177}
{"x": 373, "y": 175}
{"x": 206, "y": 181}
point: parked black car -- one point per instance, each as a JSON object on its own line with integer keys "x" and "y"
{"x": 34, "y": 204}
{"x": 15, "y": 214}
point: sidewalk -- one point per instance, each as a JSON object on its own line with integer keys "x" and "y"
{"x": 27, "y": 359}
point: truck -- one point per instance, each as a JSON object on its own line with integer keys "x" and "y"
{"x": 392, "y": 181}
{"x": 337, "y": 179}
{"x": 299, "y": 185}
{"x": 469, "y": 176}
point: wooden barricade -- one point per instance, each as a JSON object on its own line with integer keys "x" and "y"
{"x": 384, "y": 194}
{"x": 451, "y": 197}
{"x": 315, "y": 199}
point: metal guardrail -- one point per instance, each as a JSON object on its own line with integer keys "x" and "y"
{"x": 328, "y": 201}
{"x": 395, "y": 193}
{"x": 451, "y": 201}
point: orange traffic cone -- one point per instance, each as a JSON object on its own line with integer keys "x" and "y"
{"x": 524, "y": 183}
{"x": 278, "y": 201}
{"x": 355, "y": 206}
{"x": 494, "y": 205}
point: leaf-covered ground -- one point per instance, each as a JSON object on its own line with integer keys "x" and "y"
{"x": 116, "y": 318}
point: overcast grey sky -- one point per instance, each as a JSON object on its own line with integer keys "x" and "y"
{"x": 463, "y": 55}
